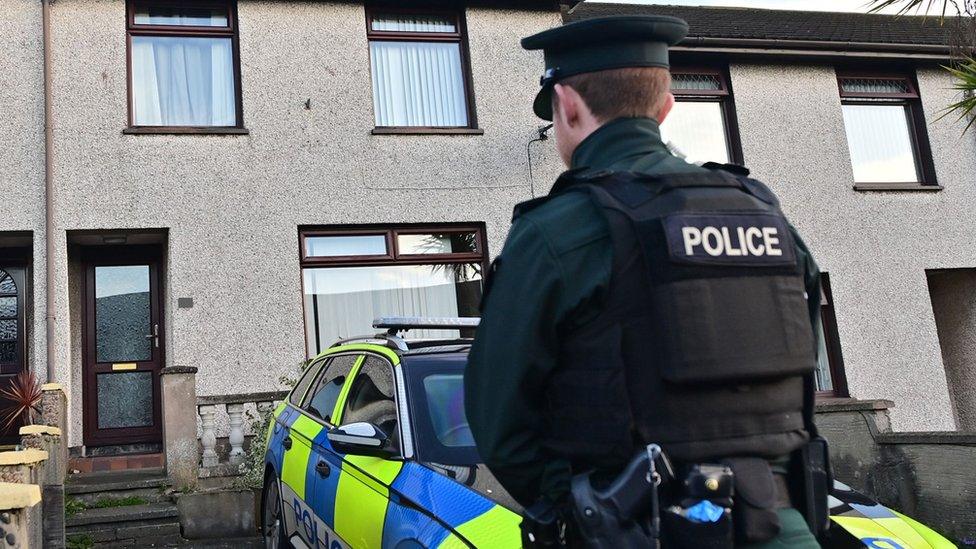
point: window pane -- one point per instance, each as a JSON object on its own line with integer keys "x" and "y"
{"x": 880, "y": 144}
{"x": 122, "y": 314}
{"x": 445, "y": 403}
{"x": 697, "y": 130}
{"x": 823, "y": 377}
{"x": 125, "y": 400}
{"x": 326, "y": 393}
{"x": 437, "y": 243}
{"x": 191, "y": 17}
{"x": 413, "y": 23}
{"x": 302, "y": 386}
{"x": 874, "y": 85}
{"x": 342, "y": 302}
{"x": 181, "y": 81}
{"x": 418, "y": 84}
{"x": 696, "y": 82}
{"x": 371, "y": 399}
{"x": 339, "y": 246}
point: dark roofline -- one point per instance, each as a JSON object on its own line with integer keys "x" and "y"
{"x": 775, "y": 33}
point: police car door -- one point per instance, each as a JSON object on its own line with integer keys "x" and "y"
{"x": 363, "y": 496}
{"x": 308, "y": 468}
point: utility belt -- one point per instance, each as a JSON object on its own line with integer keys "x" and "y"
{"x": 651, "y": 503}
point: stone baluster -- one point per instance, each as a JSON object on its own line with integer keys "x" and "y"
{"x": 235, "y": 414}
{"x": 208, "y": 438}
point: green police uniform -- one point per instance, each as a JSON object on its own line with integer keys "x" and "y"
{"x": 550, "y": 278}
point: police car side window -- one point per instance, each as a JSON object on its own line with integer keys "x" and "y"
{"x": 302, "y": 386}
{"x": 326, "y": 392}
{"x": 371, "y": 398}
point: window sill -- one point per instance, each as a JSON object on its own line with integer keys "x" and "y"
{"x": 427, "y": 131}
{"x": 913, "y": 187}
{"x": 183, "y": 130}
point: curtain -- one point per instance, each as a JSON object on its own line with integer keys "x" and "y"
{"x": 880, "y": 144}
{"x": 824, "y": 380}
{"x": 179, "y": 81}
{"x": 343, "y": 302}
{"x": 697, "y": 131}
{"x": 418, "y": 84}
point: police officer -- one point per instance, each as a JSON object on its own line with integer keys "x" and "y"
{"x": 644, "y": 300}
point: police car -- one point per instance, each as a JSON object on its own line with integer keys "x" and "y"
{"x": 371, "y": 449}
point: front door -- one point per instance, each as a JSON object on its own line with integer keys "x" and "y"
{"x": 13, "y": 288}
{"x": 123, "y": 349}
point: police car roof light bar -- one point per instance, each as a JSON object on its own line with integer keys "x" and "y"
{"x": 396, "y": 324}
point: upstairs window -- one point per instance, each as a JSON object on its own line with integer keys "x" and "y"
{"x": 419, "y": 69}
{"x": 701, "y": 126}
{"x": 183, "y": 64}
{"x": 885, "y": 129}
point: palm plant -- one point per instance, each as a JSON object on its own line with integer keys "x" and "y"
{"x": 23, "y": 397}
{"x": 963, "y": 14}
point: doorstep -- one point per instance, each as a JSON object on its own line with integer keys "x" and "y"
{"x": 115, "y": 463}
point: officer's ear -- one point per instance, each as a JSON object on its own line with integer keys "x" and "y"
{"x": 566, "y": 105}
{"x": 665, "y": 109}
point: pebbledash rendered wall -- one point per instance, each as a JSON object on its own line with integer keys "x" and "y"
{"x": 876, "y": 246}
{"x": 22, "y": 148}
{"x": 232, "y": 204}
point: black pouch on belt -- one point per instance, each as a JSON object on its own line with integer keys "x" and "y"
{"x": 754, "y": 509}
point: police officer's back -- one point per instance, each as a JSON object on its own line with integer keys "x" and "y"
{"x": 645, "y": 300}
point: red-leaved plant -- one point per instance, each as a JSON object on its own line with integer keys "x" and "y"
{"x": 23, "y": 397}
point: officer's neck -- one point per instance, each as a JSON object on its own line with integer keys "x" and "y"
{"x": 611, "y": 145}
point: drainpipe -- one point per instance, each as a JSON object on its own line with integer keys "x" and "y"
{"x": 48, "y": 191}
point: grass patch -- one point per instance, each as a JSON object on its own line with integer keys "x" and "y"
{"x": 79, "y": 541}
{"x": 73, "y": 506}
{"x": 118, "y": 502}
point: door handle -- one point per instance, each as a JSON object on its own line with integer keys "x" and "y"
{"x": 286, "y": 443}
{"x": 323, "y": 469}
{"x": 154, "y": 336}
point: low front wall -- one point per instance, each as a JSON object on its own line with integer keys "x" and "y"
{"x": 927, "y": 476}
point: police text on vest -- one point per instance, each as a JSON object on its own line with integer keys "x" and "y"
{"x": 717, "y": 241}
{"x": 747, "y": 239}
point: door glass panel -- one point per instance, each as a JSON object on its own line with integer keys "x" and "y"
{"x": 125, "y": 400}
{"x": 326, "y": 393}
{"x": 123, "y": 314}
{"x": 8, "y": 351}
{"x": 8, "y": 307}
{"x": 8, "y": 329}
{"x": 7, "y": 285}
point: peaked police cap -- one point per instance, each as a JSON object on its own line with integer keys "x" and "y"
{"x": 601, "y": 44}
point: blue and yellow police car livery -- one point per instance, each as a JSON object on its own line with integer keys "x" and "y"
{"x": 371, "y": 449}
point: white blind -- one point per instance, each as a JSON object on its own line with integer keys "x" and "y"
{"x": 880, "y": 144}
{"x": 697, "y": 131}
{"x": 178, "y": 81}
{"x": 418, "y": 84}
{"x": 413, "y": 23}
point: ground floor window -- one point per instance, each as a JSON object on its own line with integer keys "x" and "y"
{"x": 351, "y": 276}
{"x": 830, "y": 363}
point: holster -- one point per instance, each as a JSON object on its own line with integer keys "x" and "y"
{"x": 543, "y": 527}
{"x": 623, "y": 514}
{"x": 811, "y": 480}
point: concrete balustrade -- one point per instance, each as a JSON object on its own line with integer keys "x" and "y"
{"x": 20, "y": 516}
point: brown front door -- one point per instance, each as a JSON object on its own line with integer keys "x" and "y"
{"x": 13, "y": 302}
{"x": 123, "y": 348}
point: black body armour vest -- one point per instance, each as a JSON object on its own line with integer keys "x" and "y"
{"x": 705, "y": 338}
